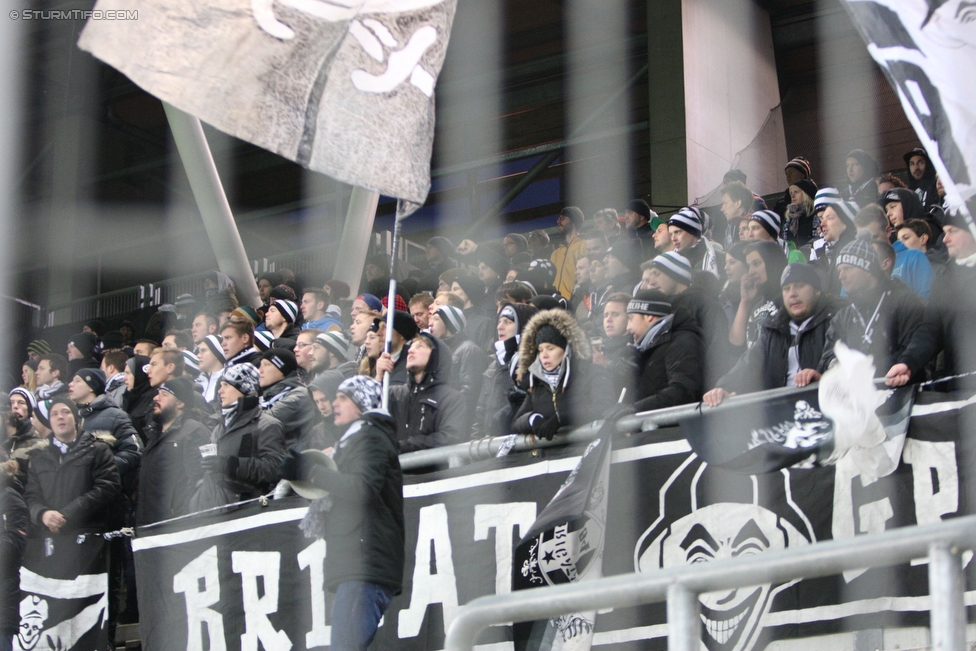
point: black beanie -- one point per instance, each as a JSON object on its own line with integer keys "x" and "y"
{"x": 282, "y": 358}
{"x": 63, "y": 399}
{"x": 404, "y": 324}
{"x": 85, "y": 343}
{"x": 640, "y": 207}
{"x": 548, "y": 334}
{"x": 182, "y": 388}
{"x": 94, "y": 378}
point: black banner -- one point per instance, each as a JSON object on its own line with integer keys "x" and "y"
{"x": 64, "y": 594}
{"x": 249, "y": 577}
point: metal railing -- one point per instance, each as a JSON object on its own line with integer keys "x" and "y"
{"x": 681, "y": 586}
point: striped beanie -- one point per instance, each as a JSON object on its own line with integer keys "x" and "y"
{"x": 769, "y": 220}
{"x": 39, "y": 347}
{"x": 802, "y": 165}
{"x": 831, "y": 197}
{"x": 336, "y": 343}
{"x": 213, "y": 343}
{"x": 263, "y": 339}
{"x": 675, "y": 265}
{"x": 687, "y": 220}
{"x": 453, "y": 318}
{"x": 650, "y": 302}
{"x": 28, "y": 398}
{"x": 860, "y": 253}
{"x": 703, "y": 217}
{"x": 287, "y": 309}
{"x": 43, "y": 412}
{"x": 192, "y": 362}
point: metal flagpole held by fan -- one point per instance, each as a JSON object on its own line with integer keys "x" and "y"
{"x": 391, "y": 301}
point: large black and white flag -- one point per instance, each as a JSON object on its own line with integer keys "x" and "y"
{"x": 927, "y": 49}
{"x": 64, "y": 594}
{"x": 565, "y": 545}
{"x": 343, "y": 87}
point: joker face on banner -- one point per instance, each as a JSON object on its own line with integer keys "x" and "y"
{"x": 744, "y": 523}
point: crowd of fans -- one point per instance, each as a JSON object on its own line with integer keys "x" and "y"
{"x": 619, "y": 312}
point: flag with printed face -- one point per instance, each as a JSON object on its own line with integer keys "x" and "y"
{"x": 565, "y": 545}
{"x": 927, "y": 48}
{"x": 63, "y": 594}
{"x": 343, "y": 87}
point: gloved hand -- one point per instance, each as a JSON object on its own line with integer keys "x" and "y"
{"x": 516, "y": 397}
{"x": 544, "y": 427}
{"x": 297, "y": 466}
{"x": 222, "y": 465}
{"x": 619, "y": 411}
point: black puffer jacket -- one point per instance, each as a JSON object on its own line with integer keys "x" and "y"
{"x": 13, "y": 538}
{"x": 170, "y": 470}
{"x": 765, "y": 365}
{"x": 468, "y": 364}
{"x": 429, "y": 413}
{"x": 947, "y": 326}
{"x": 900, "y": 315}
{"x": 710, "y": 317}
{"x": 288, "y": 401}
{"x": 83, "y": 485}
{"x": 584, "y": 392}
{"x": 103, "y": 415}
{"x": 669, "y": 364}
{"x": 257, "y": 441}
{"x": 365, "y": 528}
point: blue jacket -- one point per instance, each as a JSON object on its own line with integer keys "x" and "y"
{"x": 322, "y": 324}
{"x": 913, "y": 268}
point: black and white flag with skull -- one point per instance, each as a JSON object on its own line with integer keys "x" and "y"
{"x": 343, "y": 87}
{"x": 565, "y": 545}
{"x": 927, "y": 49}
{"x": 64, "y": 594}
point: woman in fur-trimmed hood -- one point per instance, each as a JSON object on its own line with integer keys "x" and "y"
{"x": 563, "y": 387}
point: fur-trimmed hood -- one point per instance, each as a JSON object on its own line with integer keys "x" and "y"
{"x": 567, "y": 326}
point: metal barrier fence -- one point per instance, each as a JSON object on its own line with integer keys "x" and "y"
{"x": 680, "y": 587}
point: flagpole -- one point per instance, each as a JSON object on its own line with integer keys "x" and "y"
{"x": 391, "y": 304}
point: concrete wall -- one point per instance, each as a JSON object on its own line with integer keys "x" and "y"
{"x": 730, "y": 89}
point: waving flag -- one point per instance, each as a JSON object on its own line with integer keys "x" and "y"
{"x": 343, "y": 87}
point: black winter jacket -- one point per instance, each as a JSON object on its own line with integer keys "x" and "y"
{"x": 19, "y": 447}
{"x": 365, "y": 527}
{"x": 714, "y": 325}
{"x": 103, "y": 415}
{"x": 170, "y": 470}
{"x": 13, "y": 539}
{"x": 766, "y": 364}
{"x": 899, "y": 316}
{"x": 288, "y": 401}
{"x": 256, "y": 439}
{"x": 83, "y": 485}
{"x": 468, "y": 364}
{"x": 669, "y": 364}
{"x": 429, "y": 413}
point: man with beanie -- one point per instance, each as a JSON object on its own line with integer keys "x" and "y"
{"x": 766, "y": 225}
{"x": 428, "y": 411}
{"x": 622, "y": 263}
{"x": 212, "y": 360}
{"x": 284, "y": 395}
{"x": 72, "y": 483}
{"x": 669, "y": 353}
{"x": 686, "y": 228}
{"x": 439, "y": 251}
{"x": 837, "y": 225}
{"x": 248, "y": 445}
{"x": 492, "y": 268}
{"x": 900, "y": 205}
{"x": 280, "y": 319}
{"x": 921, "y": 177}
{"x": 80, "y": 351}
{"x": 570, "y": 221}
{"x": 36, "y": 348}
{"x": 883, "y": 314}
{"x": 798, "y": 169}
{"x": 671, "y": 275}
{"x": 22, "y": 437}
{"x": 861, "y": 187}
{"x": 333, "y": 351}
{"x": 362, "y": 519}
{"x": 171, "y": 460}
{"x": 468, "y": 361}
{"x": 790, "y": 344}
{"x": 949, "y": 315}
{"x": 637, "y": 219}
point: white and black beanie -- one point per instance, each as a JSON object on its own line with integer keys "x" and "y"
{"x": 28, "y": 398}
{"x": 191, "y": 361}
{"x": 860, "y": 253}
{"x": 366, "y": 392}
{"x": 769, "y": 220}
{"x": 213, "y": 343}
{"x": 287, "y": 309}
{"x": 453, "y": 318}
{"x": 650, "y": 302}
{"x": 831, "y": 197}
{"x": 263, "y": 339}
{"x": 243, "y": 377}
{"x": 686, "y": 219}
{"x": 336, "y": 343}
{"x": 674, "y": 265}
